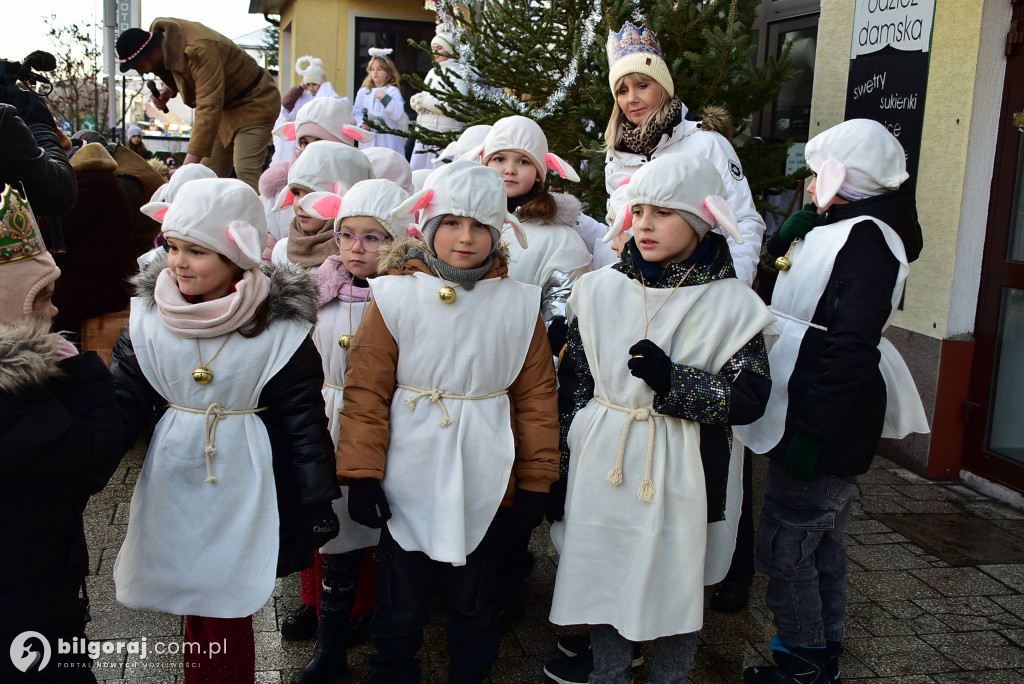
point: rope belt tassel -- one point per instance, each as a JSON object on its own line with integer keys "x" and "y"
{"x": 645, "y": 492}
{"x": 213, "y": 414}
{"x": 436, "y": 395}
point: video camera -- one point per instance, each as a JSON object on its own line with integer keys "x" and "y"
{"x": 27, "y": 70}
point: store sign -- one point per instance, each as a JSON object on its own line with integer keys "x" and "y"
{"x": 127, "y": 15}
{"x": 889, "y": 68}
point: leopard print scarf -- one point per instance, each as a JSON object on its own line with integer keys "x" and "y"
{"x": 643, "y": 139}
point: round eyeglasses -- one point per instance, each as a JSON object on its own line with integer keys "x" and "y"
{"x": 370, "y": 242}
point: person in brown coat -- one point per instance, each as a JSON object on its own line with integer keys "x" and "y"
{"x": 235, "y": 99}
{"x": 449, "y": 429}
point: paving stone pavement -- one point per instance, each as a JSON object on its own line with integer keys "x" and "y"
{"x": 913, "y": 618}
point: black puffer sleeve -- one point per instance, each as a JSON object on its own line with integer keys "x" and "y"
{"x": 139, "y": 403}
{"x": 34, "y": 158}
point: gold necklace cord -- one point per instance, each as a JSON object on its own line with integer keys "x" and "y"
{"x": 675, "y": 287}
{"x": 199, "y": 351}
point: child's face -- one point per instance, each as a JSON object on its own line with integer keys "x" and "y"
{"x": 42, "y": 306}
{"x": 305, "y": 140}
{"x": 516, "y": 169}
{"x": 199, "y": 272}
{"x": 307, "y": 224}
{"x": 378, "y": 72}
{"x": 462, "y": 242}
{"x": 662, "y": 235}
{"x": 813, "y": 189}
{"x": 312, "y": 87}
{"x": 638, "y": 97}
{"x": 359, "y": 240}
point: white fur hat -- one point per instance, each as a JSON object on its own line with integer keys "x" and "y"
{"x": 325, "y": 166}
{"x": 462, "y": 188}
{"x": 389, "y": 164}
{"x": 325, "y": 118}
{"x": 855, "y": 159}
{"x": 469, "y": 139}
{"x": 375, "y": 198}
{"x": 684, "y": 182}
{"x": 221, "y": 214}
{"x": 187, "y": 173}
{"x": 524, "y": 135}
{"x": 311, "y": 69}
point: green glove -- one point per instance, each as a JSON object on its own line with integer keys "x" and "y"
{"x": 798, "y": 224}
{"x": 802, "y": 455}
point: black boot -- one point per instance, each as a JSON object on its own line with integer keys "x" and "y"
{"x": 301, "y": 625}
{"x": 329, "y": 662}
{"x": 793, "y": 666}
{"x": 833, "y": 649}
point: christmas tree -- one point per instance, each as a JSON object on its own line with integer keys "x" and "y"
{"x": 547, "y": 60}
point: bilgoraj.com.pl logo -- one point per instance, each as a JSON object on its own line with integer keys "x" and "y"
{"x": 31, "y": 651}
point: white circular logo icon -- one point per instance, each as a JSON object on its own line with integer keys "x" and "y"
{"x": 30, "y": 651}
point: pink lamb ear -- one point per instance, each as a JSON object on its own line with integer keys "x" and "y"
{"x": 561, "y": 167}
{"x": 246, "y": 237}
{"x": 353, "y": 133}
{"x": 414, "y": 232}
{"x": 155, "y": 210}
{"x": 724, "y": 216}
{"x": 289, "y": 198}
{"x": 289, "y": 131}
{"x": 625, "y": 182}
{"x": 623, "y": 222}
{"x": 159, "y": 215}
{"x": 511, "y": 220}
{"x": 831, "y": 177}
{"x": 328, "y": 206}
{"x": 423, "y": 201}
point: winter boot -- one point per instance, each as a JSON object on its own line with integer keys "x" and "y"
{"x": 301, "y": 625}
{"x": 833, "y": 649}
{"x": 793, "y": 666}
{"x": 329, "y": 662}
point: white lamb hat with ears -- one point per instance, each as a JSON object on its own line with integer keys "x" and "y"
{"x": 855, "y": 159}
{"x": 187, "y": 173}
{"x": 462, "y": 188}
{"x": 375, "y": 198}
{"x": 224, "y": 215}
{"x": 524, "y": 135}
{"x": 467, "y": 141}
{"x": 684, "y": 182}
{"x": 389, "y": 164}
{"x": 325, "y": 118}
{"x": 325, "y": 167}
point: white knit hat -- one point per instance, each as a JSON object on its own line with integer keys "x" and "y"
{"x": 187, "y": 173}
{"x": 325, "y": 166}
{"x": 635, "y": 50}
{"x": 311, "y": 69}
{"x": 375, "y": 198}
{"x": 133, "y": 131}
{"x": 467, "y": 141}
{"x": 684, "y": 182}
{"x": 221, "y": 214}
{"x": 855, "y": 159}
{"x": 524, "y": 135}
{"x": 462, "y": 188}
{"x": 389, "y": 164}
{"x": 443, "y": 41}
{"x": 325, "y": 118}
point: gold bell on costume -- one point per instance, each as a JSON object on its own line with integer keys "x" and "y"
{"x": 345, "y": 341}
{"x": 202, "y": 375}
{"x": 446, "y": 294}
{"x": 783, "y": 264}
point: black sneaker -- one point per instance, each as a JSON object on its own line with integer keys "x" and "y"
{"x": 566, "y": 670}
{"x": 793, "y": 666}
{"x": 573, "y": 645}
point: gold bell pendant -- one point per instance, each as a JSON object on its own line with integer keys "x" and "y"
{"x": 345, "y": 341}
{"x": 783, "y": 264}
{"x": 202, "y": 375}
{"x": 446, "y": 294}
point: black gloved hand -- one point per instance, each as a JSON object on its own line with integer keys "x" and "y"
{"x": 31, "y": 107}
{"x": 558, "y": 331}
{"x": 367, "y": 504}
{"x": 652, "y": 365}
{"x": 320, "y": 521}
{"x": 556, "y": 501}
{"x": 527, "y": 511}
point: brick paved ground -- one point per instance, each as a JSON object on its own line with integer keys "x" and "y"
{"x": 913, "y": 618}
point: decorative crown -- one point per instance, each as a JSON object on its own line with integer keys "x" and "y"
{"x": 631, "y": 39}
{"x": 20, "y": 238}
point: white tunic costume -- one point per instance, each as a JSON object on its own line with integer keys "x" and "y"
{"x": 333, "y": 322}
{"x": 195, "y": 547}
{"x": 445, "y": 484}
{"x": 638, "y": 566}
{"x": 797, "y": 293}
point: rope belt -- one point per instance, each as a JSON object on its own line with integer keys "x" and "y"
{"x": 644, "y": 414}
{"x": 437, "y": 395}
{"x": 214, "y": 413}
{"x": 801, "y": 321}
{"x": 340, "y": 388}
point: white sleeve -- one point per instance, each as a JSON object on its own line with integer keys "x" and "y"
{"x": 360, "y": 105}
{"x": 746, "y": 256}
{"x": 395, "y": 108}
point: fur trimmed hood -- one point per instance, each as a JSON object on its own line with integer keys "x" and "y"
{"x": 292, "y": 295}
{"x": 394, "y": 256}
{"x": 717, "y": 120}
{"x": 28, "y": 355}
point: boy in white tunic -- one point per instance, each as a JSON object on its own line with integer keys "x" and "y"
{"x": 669, "y": 353}
{"x": 449, "y": 422}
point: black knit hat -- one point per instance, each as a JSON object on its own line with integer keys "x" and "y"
{"x": 133, "y": 45}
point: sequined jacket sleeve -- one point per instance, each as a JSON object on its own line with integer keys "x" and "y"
{"x": 736, "y": 395}
{"x": 575, "y": 388}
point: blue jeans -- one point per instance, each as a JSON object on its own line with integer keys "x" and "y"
{"x": 801, "y": 547}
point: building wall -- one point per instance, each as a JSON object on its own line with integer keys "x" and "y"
{"x": 954, "y": 176}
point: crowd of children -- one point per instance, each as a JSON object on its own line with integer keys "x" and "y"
{"x": 351, "y": 366}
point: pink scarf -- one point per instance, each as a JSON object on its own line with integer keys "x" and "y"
{"x": 333, "y": 280}
{"x": 213, "y": 318}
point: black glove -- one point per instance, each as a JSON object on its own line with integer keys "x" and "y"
{"x": 652, "y": 365}
{"x": 31, "y": 107}
{"x": 367, "y": 504}
{"x": 320, "y": 521}
{"x": 527, "y": 511}
{"x": 556, "y": 501}
{"x": 558, "y": 331}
